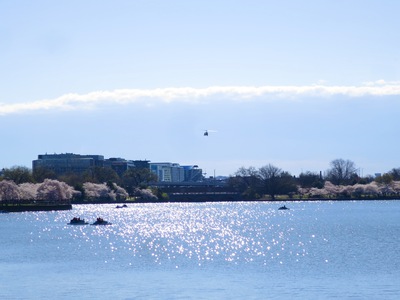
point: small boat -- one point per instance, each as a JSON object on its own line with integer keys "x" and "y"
{"x": 283, "y": 208}
{"x": 77, "y": 221}
{"x": 100, "y": 221}
{"x": 122, "y": 206}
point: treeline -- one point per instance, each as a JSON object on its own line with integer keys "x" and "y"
{"x": 19, "y": 184}
{"x": 340, "y": 181}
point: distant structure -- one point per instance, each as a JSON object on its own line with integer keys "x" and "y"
{"x": 173, "y": 172}
{"x": 119, "y": 165}
{"x": 193, "y": 173}
{"x": 67, "y": 163}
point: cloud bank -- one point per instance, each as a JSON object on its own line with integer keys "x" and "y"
{"x": 199, "y": 95}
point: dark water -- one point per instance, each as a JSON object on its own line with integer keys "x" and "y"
{"x": 317, "y": 250}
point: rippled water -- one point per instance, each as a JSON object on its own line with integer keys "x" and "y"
{"x": 315, "y": 250}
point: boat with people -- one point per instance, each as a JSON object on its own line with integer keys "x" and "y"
{"x": 283, "y": 208}
{"x": 77, "y": 221}
{"x": 101, "y": 221}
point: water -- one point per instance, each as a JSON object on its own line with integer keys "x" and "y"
{"x": 315, "y": 250}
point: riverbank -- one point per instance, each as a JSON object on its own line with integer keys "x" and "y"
{"x": 50, "y": 207}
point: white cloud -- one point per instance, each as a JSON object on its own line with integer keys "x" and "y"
{"x": 381, "y": 82}
{"x": 199, "y": 95}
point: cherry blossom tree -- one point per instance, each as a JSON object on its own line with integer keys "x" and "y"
{"x": 96, "y": 190}
{"x": 103, "y": 191}
{"x": 358, "y": 190}
{"x": 28, "y": 191}
{"x": 396, "y": 187}
{"x": 385, "y": 189}
{"x": 145, "y": 194}
{"x": 9, "y": 191}
{"x": 317, "y": 193}
{"x": 120, "y": 192}
{"x": 54, "y": 191}
{"x": 371, "y": 189}
{"x": 331, "y": 189}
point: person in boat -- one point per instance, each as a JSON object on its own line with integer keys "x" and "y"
{"x": 76, "y": 220}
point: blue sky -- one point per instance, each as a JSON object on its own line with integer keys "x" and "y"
{"x": 291, "y": 83}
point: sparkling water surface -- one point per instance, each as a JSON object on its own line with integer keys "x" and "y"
{"x": 315, "y": 250}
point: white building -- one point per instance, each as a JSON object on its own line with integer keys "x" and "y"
{"x": 168, "y": 172}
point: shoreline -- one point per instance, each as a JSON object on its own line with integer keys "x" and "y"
{"x": 27, "y": 208}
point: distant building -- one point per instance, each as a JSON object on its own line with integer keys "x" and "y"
{"x": 62, "y": 164}
{"x": 119, "y": 165}
{"x": 173, "y": 172}
{"x": 67, "y": 163}
{"x": 168, "y": 172}
{"x": 193, "y": 173}
{"x": 141, "y": 164}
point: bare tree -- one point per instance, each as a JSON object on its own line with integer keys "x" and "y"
{"x": 246, "y": 181}
{"x": 341, "y": 172}
{"x": 269, "y": 175}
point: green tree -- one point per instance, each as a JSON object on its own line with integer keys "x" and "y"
{"x": 310, "y": 180}
{"x": 41, "y": 173}
{"x": 395, "y": 173}
{"x": 286, "y": 184}
{"x": 246, "y": 181}
{"x": 101, "y": 175}
{"x": 386, "y": 178}
{"x": 18, "y": 174}
{"x": 137, "y": 177}
{"x": 72, "y": 179}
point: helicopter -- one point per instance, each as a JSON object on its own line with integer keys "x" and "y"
{"x": 206, "y": 131}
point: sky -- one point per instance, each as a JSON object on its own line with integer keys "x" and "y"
{"x": 295, "y": 84}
